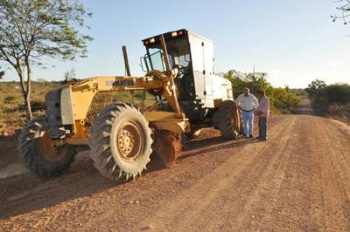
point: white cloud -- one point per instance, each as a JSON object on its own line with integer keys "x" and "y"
{"x": 336, "y": 64}
{"x": 291, "y": 78}
{"x": 275, "y": 72}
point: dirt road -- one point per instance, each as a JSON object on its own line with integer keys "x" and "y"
{"x": 298, "y": 180}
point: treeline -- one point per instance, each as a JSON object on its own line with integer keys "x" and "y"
{"x": 329, "y": 99}
{"x": 281, "y": 99}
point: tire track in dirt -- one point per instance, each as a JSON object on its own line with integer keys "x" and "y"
{"x": 259, "y": 175}
{"x": 301, "y": 203}
{"x": 115, "y": 198}
{"x": 282, "y": 199}
{"x": 334, "y": 174}
{"x": 196, "y": 205}
{"x": 190, "y": 169}
{"x": 267, "y": 196}
{"x": 180, "y": 176}
{"x": 296, "y": 181}
{"x": 105, "y": 204}
{"x": 307, "y": 189}
{"x": 168, "y": 182}
{"x": 287, "y": 190}
{"x": 42, "y": 203}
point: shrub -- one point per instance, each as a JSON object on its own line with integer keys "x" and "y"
{"x": 10, "y": 99}
{"x": 330, "y": 99}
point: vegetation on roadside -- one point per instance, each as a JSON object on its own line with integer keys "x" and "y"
{"x": 33, "y": 30}
{"x": 325, "y": 100}
{"x": 329, "y": 99}
{"x": 12, "y": 109}
{"x": 282, "y": 99}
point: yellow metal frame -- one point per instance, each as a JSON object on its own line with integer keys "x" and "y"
{"x": 81, "y": 95}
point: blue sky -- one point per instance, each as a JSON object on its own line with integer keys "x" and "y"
{"x": 294, "y": 41}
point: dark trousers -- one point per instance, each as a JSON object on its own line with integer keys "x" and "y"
{"x": 262, "y": 127}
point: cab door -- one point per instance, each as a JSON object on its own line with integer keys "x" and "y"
{"x": 202, "y": 62}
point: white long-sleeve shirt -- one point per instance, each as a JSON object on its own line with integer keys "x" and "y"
{"x": 247, "y": 103}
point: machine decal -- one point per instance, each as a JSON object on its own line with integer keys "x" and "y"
{"x": 120, "y": 83}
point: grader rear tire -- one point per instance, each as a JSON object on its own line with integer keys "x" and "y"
{"x": 42, "y": 155}
{"x": 227, "y": 120}
{"x": 120, "y": 142}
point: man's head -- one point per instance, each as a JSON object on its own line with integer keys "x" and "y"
{"x": 246, "y": 91}
{"x": 261, "y": 92}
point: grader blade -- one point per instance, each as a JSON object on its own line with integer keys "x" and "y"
{"x": 168, "y": 146}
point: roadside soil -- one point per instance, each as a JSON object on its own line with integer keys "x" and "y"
{"x": 298, "y": 180}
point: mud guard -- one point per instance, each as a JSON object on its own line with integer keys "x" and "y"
{"x": 168, "y": 146}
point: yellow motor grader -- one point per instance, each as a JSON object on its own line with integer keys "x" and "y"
{"x": 122, "y": 136}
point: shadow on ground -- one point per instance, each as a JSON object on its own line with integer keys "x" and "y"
{"x": 26, "y": 192}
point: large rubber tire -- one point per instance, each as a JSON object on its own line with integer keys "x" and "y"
{"x": 227, "y": 120}
{"x": 120, "y": 142}
{"x": 42, "y": 155}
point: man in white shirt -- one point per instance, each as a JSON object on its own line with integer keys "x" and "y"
{"x": 247, "y": 103}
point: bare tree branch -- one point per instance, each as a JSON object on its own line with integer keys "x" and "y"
{"x": 344, "y": 9}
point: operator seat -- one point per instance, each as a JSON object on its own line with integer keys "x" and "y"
{"x": 187, "y": 90}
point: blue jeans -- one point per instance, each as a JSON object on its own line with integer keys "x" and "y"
{"x": 248, "y": 118}
{"x": 262, "y": 127}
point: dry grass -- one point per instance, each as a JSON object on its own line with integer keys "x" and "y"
{"x": 339, "y": 112}
{"x": 12, "y": 111}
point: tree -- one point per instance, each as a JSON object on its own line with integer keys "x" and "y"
{"x": 279, "y": 97}
{"x": 70, "y": 75}
{"x": 344, "y": 8}
{"x": 282, "y": 99}
{"x": 33, "y": 30}
{"x": 2, "y": 73}
{"x": 337, "y": 93}
{"x": 254, "y": 81}
{"x": 324, "y": 96}
{"x": 314, "y": 87}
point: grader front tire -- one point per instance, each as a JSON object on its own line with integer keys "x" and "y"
{"x": 120, "y": 142}
{"x": 42, "y": 155}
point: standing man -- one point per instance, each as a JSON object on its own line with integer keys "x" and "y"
{"x": 263, "y": 112}
{"x": 247, "y": 103}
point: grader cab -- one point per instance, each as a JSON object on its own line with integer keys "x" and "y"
{"x": 121, "y": 137}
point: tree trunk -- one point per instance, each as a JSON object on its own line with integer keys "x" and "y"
{"x": 25, "y": 87}
{"x": 28, "y": 106}
{"x": 29, "y": 89}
